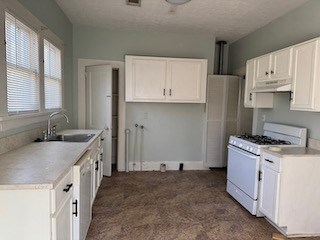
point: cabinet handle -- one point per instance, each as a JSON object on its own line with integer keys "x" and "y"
{"x": 250, "y": 97}
{"x": 291, "y": 96}
{"x": 259, "y": 176}
{"x": 67, "y": 188}
{"x": 102, "y": 139}
{"x": 170, "y": 91}
{"x": 97, "y": 166}
{"x": 267, "y": 73}
{"x": 272, "y": 72}
{"x": 268, "y": 160}
{"x": 75, "y": 203}
{"x": 164, "y": 92}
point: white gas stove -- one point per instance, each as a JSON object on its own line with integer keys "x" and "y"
{"x": 244, "y": 160}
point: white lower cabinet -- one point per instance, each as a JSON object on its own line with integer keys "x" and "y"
{"x": 48, "y": 214}
{"x": 62, "y": 221}
{"x": 96, "y": 174}
{"x": 39, "y": 214}
{"x": 289, "y": 194}
{"x": 269, "y": 193}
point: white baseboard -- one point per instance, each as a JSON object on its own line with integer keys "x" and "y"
{"x": 173, "y": 166}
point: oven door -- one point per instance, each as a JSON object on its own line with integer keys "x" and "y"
{"x": 243, "y": 170}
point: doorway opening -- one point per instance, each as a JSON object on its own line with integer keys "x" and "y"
{"x": 115, "y": 117}
{"x": 117, "y": 68}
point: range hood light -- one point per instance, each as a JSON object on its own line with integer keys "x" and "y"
{"x": 178, "y": 2}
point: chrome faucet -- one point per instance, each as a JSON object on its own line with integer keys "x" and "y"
{"x": 49, "y": 132}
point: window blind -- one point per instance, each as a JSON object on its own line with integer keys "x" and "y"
{"x": 22, "y": 67}
{"x": 52, "y": 76}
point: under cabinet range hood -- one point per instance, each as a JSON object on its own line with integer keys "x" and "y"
{"x": 273, "y": 86}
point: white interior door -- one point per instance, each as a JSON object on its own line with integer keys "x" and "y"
{"x": 99, "y": 108}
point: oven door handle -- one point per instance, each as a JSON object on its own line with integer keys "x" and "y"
{"x": 242, "y": 152}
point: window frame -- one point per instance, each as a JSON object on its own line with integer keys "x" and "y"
{"x": 11, "y": 121}
{"x": 61, "y": 48}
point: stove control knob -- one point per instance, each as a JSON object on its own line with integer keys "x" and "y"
{"x": 231, "y": 141}
{"x": 248, "y": 148}
{"x": 240, "y": 145}
{"x": 251, "y": 149}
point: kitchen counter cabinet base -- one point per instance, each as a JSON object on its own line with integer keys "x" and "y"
{"x": 296, "y": 209}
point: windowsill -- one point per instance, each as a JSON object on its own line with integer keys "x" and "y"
{"x": 22, "y": 120}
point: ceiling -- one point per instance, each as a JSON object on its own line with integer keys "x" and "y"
{"x": 226, "y": 19}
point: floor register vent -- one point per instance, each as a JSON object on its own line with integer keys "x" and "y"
{"x": 136, "y": 3}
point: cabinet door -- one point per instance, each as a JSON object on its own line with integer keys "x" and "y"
{"x": 249, "y": 97}
{"x": 101, "y": 166}
{"x": 263, "y": 68}
{"x": 186, "y": 80}
{"x": 303, "y": 81}
{"x": 148, "y": 79}
{"x": 281, "y": 67}
{"x": 62, "y": 221}
{"x": 97, "y": 176}
{"x": 269, "y": 193}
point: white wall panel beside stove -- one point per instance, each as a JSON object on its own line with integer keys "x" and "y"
{"x": 222, "y": 117}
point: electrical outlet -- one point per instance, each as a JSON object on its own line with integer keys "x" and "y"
{"x": 263, "y": 118}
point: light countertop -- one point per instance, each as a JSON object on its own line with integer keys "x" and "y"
{"x": 294, "y": 152}
{"x": 42, "y": 165}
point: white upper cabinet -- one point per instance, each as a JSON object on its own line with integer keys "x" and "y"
{"x": 281, "y": 64}
{"x": 295, "y": 69}
{"x": 274, "y": 66}
{"x": 306, "y": 77}
{"x": 251, "y": 99}
{"x": 148, "y": 79}
{"x": 157, "y": 79}
{"x": 185, "y": 80}
{"x": 263, "y": 68}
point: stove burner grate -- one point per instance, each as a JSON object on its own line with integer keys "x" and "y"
{"x": 263, "y": 140}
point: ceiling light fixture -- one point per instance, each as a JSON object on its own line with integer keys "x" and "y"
{"x": 178, "y": 2}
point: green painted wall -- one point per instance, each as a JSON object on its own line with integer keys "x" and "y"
{"x": 297, "y": 26}
{"x": 173, "y": 131}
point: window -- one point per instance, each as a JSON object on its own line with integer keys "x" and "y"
{"x": 52, "y": 76}
{"x": 22, "y": 67}
{"x": 31, "y": 75}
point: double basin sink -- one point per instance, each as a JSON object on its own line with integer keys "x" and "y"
{"x": 71, "y": 138}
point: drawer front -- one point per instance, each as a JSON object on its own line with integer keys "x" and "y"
{"x": 271, "y": 161}
{"x": 62, "y": 191}
{"x": 247, "y": 202}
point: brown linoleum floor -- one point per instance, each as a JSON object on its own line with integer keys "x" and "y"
{"x": 172, "y": 205}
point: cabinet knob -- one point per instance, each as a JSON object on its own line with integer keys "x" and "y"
{"x": 170, "y": 91}
{"x": 272, "y": 72}
{"x": 250, "y": 97}
{"x": 267, "y": 73}
{"x": 164, "y": 92}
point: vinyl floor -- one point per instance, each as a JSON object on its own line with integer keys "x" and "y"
{"x": 172, "y": 205}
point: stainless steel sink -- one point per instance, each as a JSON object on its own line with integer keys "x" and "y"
{"x": 71, "y": 138}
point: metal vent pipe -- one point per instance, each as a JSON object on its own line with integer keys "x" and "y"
{"x": 221, "y": 56}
